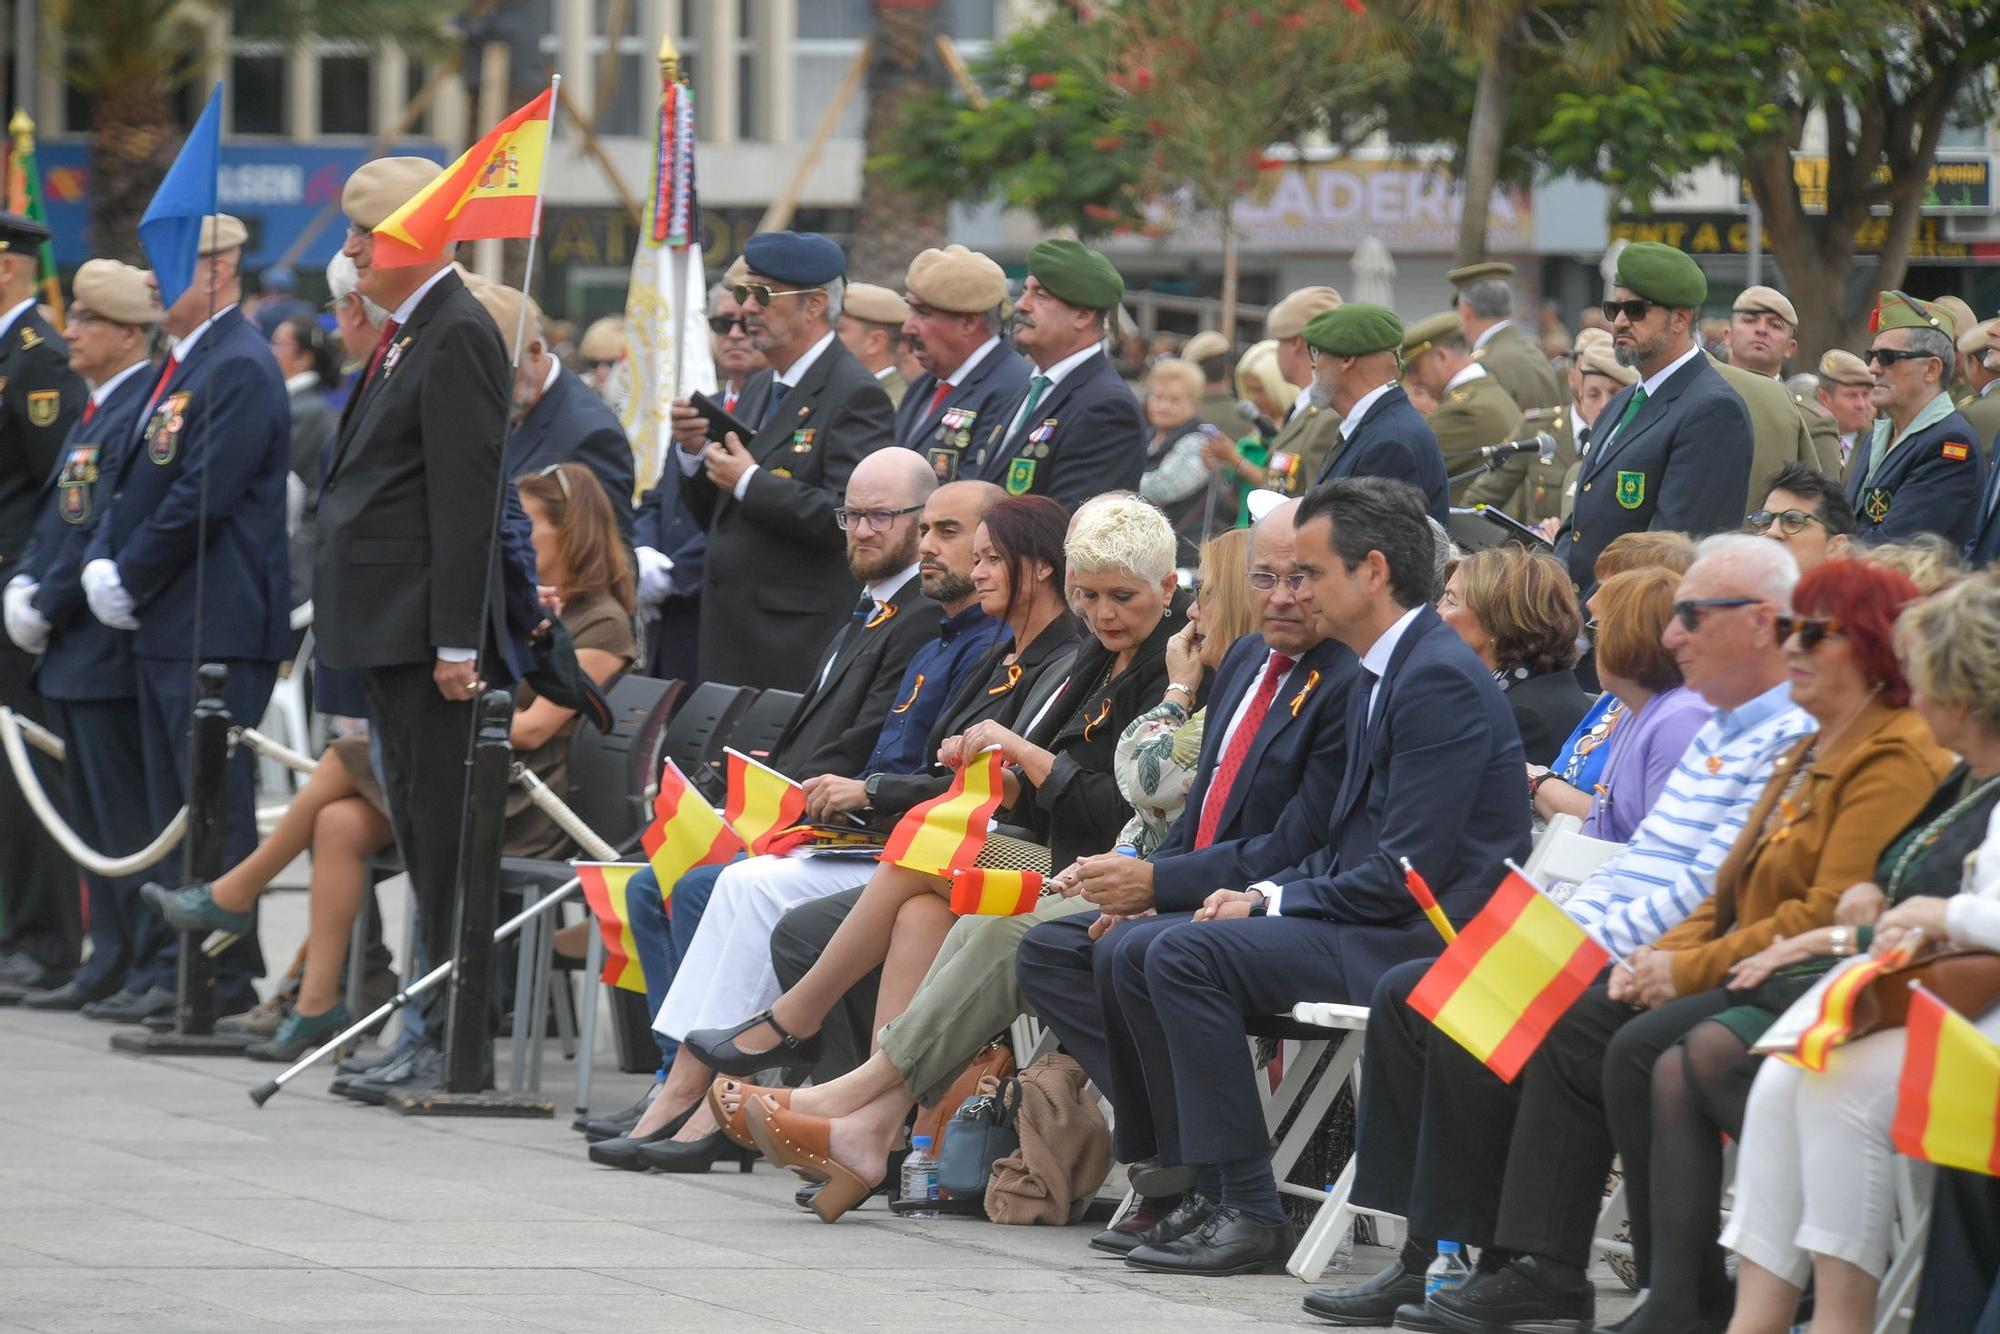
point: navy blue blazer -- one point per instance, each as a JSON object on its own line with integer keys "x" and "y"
{"x": 1276, "y": 814}
{"x": 1930, "y": 482}
{"x": 571, "y": 424}
{"x": 1394, "y": 440}
{"x": 86, "y": 659}
{"x": 1984, "y": 548}
{"x": 231, "y": 393}
{"x": 1437, "y": 777}
{"x": 990, "y": 392}
{"x": 1087, "y": 437}
{"x": 1682, "y": 464}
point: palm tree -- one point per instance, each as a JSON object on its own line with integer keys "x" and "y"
{"x": 891, "y": 225}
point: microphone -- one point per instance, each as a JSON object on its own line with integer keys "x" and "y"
{"x": 1248, "y": 412}
{"x": 1541, "y": 443}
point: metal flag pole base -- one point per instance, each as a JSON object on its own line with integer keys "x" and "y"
{"x": 485, "y": 1102}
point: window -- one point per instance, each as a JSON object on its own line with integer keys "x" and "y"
{"x": 258, "y": 91}
{"x": 346, "y": 94}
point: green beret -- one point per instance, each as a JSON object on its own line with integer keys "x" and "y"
{"x": 1900, "y": 310}
{"x": 1476, "y": 273}
{"x": 1354, "y": 329}
{"x": 1075, "y": 273}
{"x": 1421, "y": 336}
{"x": 1661, "y": 274}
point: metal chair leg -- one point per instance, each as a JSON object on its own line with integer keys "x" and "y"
{"x": 593, "y": 997}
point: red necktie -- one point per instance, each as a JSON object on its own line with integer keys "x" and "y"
{"x": 166, "y": 378}
{"x": 89, "y": 410}
{"x": 381, "y": 348}
{"x": 937, "y": 399}
{"x": 1240, "y": 742}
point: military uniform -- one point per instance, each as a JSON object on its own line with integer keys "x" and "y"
{"x": 1301, "y": 449}
{"x": 1475, "y": 411}
{"x": 1825, "y": 433}
{"x": 893, "y": 385}
{"x": 1982, "y": 412}
{"x": 1779, "y": 433}
{"x": 1524, "y": 486}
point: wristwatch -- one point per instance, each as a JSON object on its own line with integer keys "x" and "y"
{"x": 872, "y": 788}
{"x": 1261, "y": 906}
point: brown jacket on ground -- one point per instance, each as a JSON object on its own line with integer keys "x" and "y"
{"x": 1065, "y": 1149}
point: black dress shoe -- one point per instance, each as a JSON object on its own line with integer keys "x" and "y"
{"x": 614, "y": 1124}
{"x": 421, "y": 1068}
{"x": 1418, "y": 1316}
{"x": 131, "y": 1007}
{"x": 696, "y": 1156}
{"x": 1656, "y": 1317}
{"x": 1372, "y": 1303}
{"x": 622, "y": 1151}
{"x": 69, "y": 996}
{"x": 1151, "y": 1177}
{"x": 1192, "y": 1211}
{"x": 1225, "y": 1243}
{"x": 1138, "y": 1218}
{"x": 1523, "y": 1296}
{"x": 30, "y": 974}
{"x": 716, "y": 1048}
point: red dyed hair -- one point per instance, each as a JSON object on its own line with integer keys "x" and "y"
{"x": 1865, "y": 599}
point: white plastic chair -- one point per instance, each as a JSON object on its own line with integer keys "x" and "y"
{"x": 1563, "y": 857}
{"x": 1335, "y": 1216}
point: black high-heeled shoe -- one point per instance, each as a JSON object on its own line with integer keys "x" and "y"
{"x": 695, "y": 1155}
{"x": 716, "y": 1048}
{"x": 623, "y": 1152}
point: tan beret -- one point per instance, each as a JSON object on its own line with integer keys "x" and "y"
{"x": 1599, "y": 360}
{"x": 503, "y": 303}
{"x": 1589, "y": 338}
{"x": 737, "y": 272}
{"x": 1976, "y": 340}
{"x": 1962, "y": 318}
{"x": 1479, "y": 273}
{"x": 379, "y": 188}
{"x": 1768, "y": 300}
{"x": 1843, "y": 367}
{"x": 956, "y": 279}
{"x": 1288, "y": 318}
{"x": 1208, "y": 343}
{"x": 877, "y": 305}
{"x": 114, "y": 291}
{"x": 220, "y": 232}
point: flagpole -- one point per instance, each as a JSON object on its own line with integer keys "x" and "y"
{"x": 677, "y": 256}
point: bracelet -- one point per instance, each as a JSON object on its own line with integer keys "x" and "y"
{"x": 1176, "y": 685}
{"x": 1535, "y": 783}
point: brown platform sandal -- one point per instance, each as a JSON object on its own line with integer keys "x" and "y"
{"x": 733, "y": 1124}
{"x": 800, "y": 1141}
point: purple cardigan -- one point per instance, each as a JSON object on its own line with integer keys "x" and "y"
{"x": 1644, "y": 750}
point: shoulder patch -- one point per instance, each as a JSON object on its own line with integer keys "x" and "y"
{"x": 29, "y": 338}
{"x": 1952, "y": 448}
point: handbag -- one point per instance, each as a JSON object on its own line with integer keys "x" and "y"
{"x": 1967, "y": 980}
{"x": 982, "y": 1132}
{"x": 995, "y": 1061}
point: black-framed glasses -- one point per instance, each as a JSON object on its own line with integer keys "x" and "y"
{"x": 1811, "y": 630}
{"x": 762, "y": 293}
{"x": 1689, "y": 610}
{"x": 720, "y": 325}
{"x": 562, "y": 479}
{"x": 876, "y": 519}
{"x": 1266, "y": 580}
{"x": 1889, "y": 356}
{"x": 1789, "y": 522}
{"x": 1634, "y": 310}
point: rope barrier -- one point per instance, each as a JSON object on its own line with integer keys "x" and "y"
{"x": 272, "y": 750}
{"x": 11, "y": 729}
{"x": 42, "y": 739}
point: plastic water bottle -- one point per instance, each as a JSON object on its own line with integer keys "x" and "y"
{"x": 920, "y": 1177}
{"x": 1125, "y": 850}
{"x": 1449, "y": 1271}
{"x": 1343, "y": 1250}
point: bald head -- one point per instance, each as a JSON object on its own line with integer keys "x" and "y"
{"x": 890, "y": 479}
{"x": 1288, "y": 626}
{"x": 944, "y": 541}
{"x": 885, "y": 493}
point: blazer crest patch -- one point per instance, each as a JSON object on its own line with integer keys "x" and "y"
{"x": 163, "y": 428}
{"x": 1020, "y": 476}
{"x": 1631, "y": 490}
{"x": 944, "y": 462}
{"x": 43, "y": 405}
{"x": 1875, "y": 503}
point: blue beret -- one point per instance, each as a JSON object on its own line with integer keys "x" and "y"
{"x": 795, "y": 257}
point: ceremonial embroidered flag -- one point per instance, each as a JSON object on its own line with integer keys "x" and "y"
{"x": 1836, "y": 1009}
{"x": 1514, "y": 970}
{"x": 171, "y": 229}
{"x": 604, "y": 890}
{"x": 685, "y": 832}
{"x": 24, "y": 196}
{"x": 1420, "y": 890}
{"x": 494, "y": 189}
{"x": 949, "y": 830}
{"x": 990, "y": 891}
{"x": 1948, "y": 1104}
{"x": 762, "y": 803}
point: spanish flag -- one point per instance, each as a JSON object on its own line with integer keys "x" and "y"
{"x": 685, "y": 832}
{"x": 1502, "y": 984}
{"x": 1836, "y": 1008}
{"x": 494, "y": 189}
{"x": 604, "y": 890}
{"x": 986, "y": 891}
{"x": 1948, "y": 1104}
{"x": 762, "y": 803}
{"x": 948, "y": 831}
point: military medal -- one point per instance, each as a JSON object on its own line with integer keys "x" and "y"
{"x": 73, "y": 485}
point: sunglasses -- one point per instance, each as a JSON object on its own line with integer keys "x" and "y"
{"x": 562, "y": 479}
{"x": 1811, "y": 630}
{"x": 1634, "y": 310}
{"x": 720, "y": 325}
{"x": 762, "y": 295}
{"x": 1265, "y": 580}
{"x": 1889, "y": 356}
{"x": 1690, "y": 610}
{"x": 1790, "y": 522}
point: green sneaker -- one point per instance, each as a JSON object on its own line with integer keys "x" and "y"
{"x": 193, "y": 908}
{"x": 299, "y": 1034}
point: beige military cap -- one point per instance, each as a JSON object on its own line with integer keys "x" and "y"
{"x": 220, "y": 232}
{"x": 956, "y": 279}
{"x": 503, "y": 303}
{"x": 877, "y": 305}
{"x": 379, "y": 188}
{"x": 1769, "y": 300}
{"x": 1288, "y": 318}
{"x": 1842, "y": 367}
{"x": 114, "y": 291}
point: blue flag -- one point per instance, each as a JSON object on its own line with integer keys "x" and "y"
{"x": 171, "y": 229}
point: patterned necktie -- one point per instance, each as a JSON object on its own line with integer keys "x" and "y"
{"x": 1240, "y": 742}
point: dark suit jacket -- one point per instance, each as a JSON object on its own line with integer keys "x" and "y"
{"x": 835, "y": 725}
{"x": 1394, "y": 440}
{"x": 1277, "y": 810}
{"x": 571, "y": 424}
{"x": 223, "y": 427}
{"x": 1086, "y": 437}
{"x": 663, "y": 523}
{"x": 1437, "y": 777}
{"x": 1984, "y": 548}
{"x": 1930, "y": 482}
{"x": 405, "y": 527}
{"x": 1546, "y": 709}
{"x": 776, "y": 574}
{"x": 1682, "y": 464}
{"x": 86, "y": 659}
{"x": 34, "y": 364}
{"x": 990, "y": 391}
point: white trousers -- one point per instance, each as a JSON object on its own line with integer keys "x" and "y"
{"x": 726, "y": 975}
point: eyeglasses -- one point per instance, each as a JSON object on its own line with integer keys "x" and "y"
{"x": 876, "y": 519}
{"x": 562, "y": 479}
{"x": 1790, "y": 522}
{"x": 1690, "y": 610}
{"x": 1889, "y": 356}
{"x": 1266, "y": 580}
{"x": 720, "y": 325}
{"x": 761, "y": 293}
{"x": 1810, "y": 629}
{"x": 1634, "y": 310}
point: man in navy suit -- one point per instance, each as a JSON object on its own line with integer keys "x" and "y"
{"x": 971, "y": 378}
{"x": 1922, "y": 469}
{"x": 212, "y": 448}
{"x": 1984, "y": 548}
{"x": 1076, "y": 431}
{"x": 1428, "y": 732}
{"x": 1672, "y": 452}
{"x": 85, "y": 670}
{"x": 1356, "y": 349}
{"x": 1263, "y": 790}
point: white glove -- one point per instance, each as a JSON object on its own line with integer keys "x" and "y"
{"x": 105, "y": 591}
{"x": 654, "y": 581}
{"x": 27, "y": 627}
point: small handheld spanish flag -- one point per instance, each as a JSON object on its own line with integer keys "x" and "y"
{"x": 990, "y": 891}
{"x": 1948, "y": 1103}
{"x": 1836, "y": 1008}
{"x": 762, "y": 803}
{"x": 604, "y": 886}
{"x": 1420, "y": 890}
{"x": 949, "y": 830}
{"x": 685, "y": 832}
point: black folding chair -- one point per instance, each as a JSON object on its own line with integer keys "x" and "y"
{"x": 694, "y": 738}
{"x": 756, "y": 733}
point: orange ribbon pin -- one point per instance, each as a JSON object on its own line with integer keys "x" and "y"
{"x": 1300, "y": 698}
{"x": 1092, "y": 724}
{"x": 1013, "y": 679}
{"x": 882, "y": 615}
{"x": 915, "y": 690}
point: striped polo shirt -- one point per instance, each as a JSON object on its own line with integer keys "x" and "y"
{"x": 1670, "y": 864}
